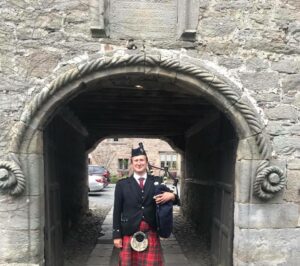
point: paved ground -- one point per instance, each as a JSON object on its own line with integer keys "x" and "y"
{"x": 185, "y": 247}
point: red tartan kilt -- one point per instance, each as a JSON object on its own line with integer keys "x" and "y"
{"x": 152, "y": 256}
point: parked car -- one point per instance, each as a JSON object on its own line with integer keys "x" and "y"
{"x": 96, "y": 183}
{"x": 100, "y": 171}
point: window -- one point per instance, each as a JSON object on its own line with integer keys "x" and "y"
{"x": 123, "y": 164}
{"x": 168, "y": 160}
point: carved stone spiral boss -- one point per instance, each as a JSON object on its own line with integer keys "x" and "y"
{"x": 268, "y": 181}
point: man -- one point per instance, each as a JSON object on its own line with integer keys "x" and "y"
{"x": 135, "y": 210}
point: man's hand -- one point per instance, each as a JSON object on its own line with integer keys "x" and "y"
{"x": 164, "y": 197}
{"x": 118, "y": 242}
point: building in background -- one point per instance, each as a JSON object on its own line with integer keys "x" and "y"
{"x": 114, "y": 154}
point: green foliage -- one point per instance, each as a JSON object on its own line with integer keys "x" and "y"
{"x": 114, "y": 179}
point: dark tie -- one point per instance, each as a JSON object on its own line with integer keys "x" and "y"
{"x": 141, "y": 180}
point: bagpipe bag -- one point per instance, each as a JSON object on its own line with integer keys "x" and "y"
{"x": 164, "y": 213}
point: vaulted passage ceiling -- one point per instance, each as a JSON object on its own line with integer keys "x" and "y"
{"x": 126, "y": 107}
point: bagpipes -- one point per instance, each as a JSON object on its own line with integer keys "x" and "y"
{"x": 164, "y": 212}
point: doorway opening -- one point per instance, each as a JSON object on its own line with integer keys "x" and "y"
{"x": 135, "y": 105}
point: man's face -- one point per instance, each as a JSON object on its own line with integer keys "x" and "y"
{"x": 139, "y": 164}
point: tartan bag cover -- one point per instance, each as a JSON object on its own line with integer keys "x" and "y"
{"x": 152, "y": 256}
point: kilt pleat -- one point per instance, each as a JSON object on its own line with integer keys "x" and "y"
{"x": 152, "y": 256}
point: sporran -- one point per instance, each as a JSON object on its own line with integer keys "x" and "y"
{"x": 139, "y": 241}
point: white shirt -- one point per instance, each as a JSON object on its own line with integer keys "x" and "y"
{"x": 136, "y": 177}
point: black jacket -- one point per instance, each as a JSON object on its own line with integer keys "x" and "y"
{"x": 132, "y": 204}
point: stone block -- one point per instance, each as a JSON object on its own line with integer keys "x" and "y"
{"x": 176, "y": 258}
{"x": 244, "y": 174}
{"x": 293, "y": 164}
{"x": 248, "y": 149}
{"x": 256, "y": 64}
{"x": 21, "y": 246}
{"x": 232, "y": 5}
{"x": 291, "y": 83}
{"x": 283, "y": 112}
{"x": 266, "y": 98}
{"x": 21, "y": 213}
{"x": 295, "y": 130}
{"x": 277, "y": 128}
{"x": 99, "y": 260}
{"x": 143, "y": 19}
{"x": 296, "y": 100}
{"x": 286, "y": 145}
{"x": 33, "y": 169}
{"x": 292, "y": 191}
{"x": 283, "y": 215}
{"x": 286, "y": 66}
{"x": 217, "y": 26}
{"x": 230, "y": 63}
{"x": 33, "y": 142}
{"x": 261, "y": 81}
{"x": 271, "y": 246}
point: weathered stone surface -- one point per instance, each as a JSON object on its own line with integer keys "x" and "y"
{"x": 34, "y": 145}
{"x": 293, "y": 164}
{"x": 230, "y": 63}
{"x": 245, "y": 173}
{"x": 296, "y": 101}
{"x": 286, "y": 144}
{"x": 217, "y": 26}
{"x": 268, "y": 246}
{"x": 22, "y": 213}
{"x": 295, "y": 129}
{"x": 277, "y": 128}
{"x": 40, "y": 63}
{"x": 291, "y": 83}
{"x": 283, "y": 112}
{"x": 292, "y": 192}
{"x": 288, "y": 66}
{"x": 283, "y": 215}
{"x": 267, "y": 98}
{"x": 256, "y": 64}
{"x": 21, "y": 246}
{"x": 260, "y": 81}
{"x": 143, "y": 20}
{"x": 33, "y": 169}
{"x": 248, "y": 149}
{"x": 232, "y": 5}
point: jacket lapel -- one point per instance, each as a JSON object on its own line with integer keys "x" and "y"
{"x": 134, "y": 187}
{"x": 149, "y": 185}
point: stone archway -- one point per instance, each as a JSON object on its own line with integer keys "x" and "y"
{"x": 16, "y": 176}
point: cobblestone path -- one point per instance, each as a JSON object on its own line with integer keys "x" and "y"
{"x": 83, "y": 237}
{"x": 194, "y": 247}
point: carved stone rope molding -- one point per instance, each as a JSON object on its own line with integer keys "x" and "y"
{"x": 269, "y": 179}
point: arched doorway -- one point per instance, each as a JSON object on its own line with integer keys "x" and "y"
{"x": 211, "y": 103}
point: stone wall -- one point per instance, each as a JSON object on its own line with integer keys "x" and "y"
{"x": 253, "y": 43}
